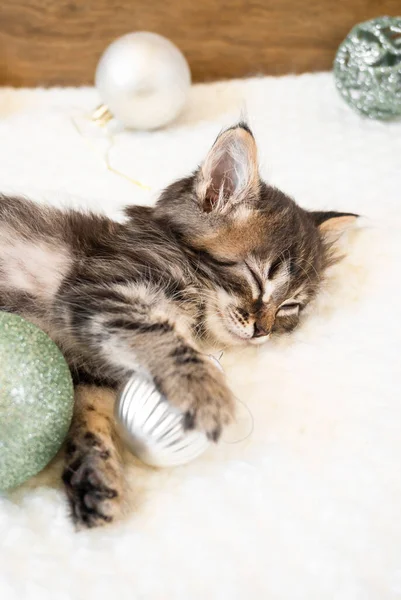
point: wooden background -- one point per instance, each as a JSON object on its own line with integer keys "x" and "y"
{"x": 58, "y": 42}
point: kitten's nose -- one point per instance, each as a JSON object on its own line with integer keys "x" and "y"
{"x": 259, "y": 331}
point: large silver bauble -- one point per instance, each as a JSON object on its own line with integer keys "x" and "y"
{"x": 143, "y": 79}
{"x": 153, "y": 429}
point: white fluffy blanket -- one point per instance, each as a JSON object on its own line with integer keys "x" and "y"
{"x": 308, "y": 506}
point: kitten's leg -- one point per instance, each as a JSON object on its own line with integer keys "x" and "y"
{"x": 93, "y": 472}
{"x": 127, "y": 329}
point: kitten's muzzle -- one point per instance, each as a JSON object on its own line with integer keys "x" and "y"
{"x": 264, "y": 321}
{"x": 260, "y": 331}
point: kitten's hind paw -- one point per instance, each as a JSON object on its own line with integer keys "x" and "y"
{"x": 93, "y": 481}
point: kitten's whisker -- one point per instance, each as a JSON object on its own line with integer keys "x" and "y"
{"x": 309, "y": 263}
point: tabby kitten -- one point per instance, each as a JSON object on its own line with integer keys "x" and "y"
{"x": 222, "y": 258}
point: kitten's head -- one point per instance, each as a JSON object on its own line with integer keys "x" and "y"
{"x": 258, "y": 255}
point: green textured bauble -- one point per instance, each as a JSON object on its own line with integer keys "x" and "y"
{"x": 367, "y": 68}
{"x": 36, "y": 400}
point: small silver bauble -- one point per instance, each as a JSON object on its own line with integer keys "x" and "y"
{"x": 143, "y": 79}
{"x": 152, "y": 428}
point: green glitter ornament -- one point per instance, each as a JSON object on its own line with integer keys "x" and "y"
{"x": 36, "y": 400}
{"x": 367, "y": 68}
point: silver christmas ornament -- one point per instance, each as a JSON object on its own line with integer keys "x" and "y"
{"x": 153, "y": 429}
{"x": 143, "y": 80}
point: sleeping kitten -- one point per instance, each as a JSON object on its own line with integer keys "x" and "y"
{"x": 222, "y": 258}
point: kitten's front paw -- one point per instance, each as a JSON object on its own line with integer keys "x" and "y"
{"x": 199, "y": 390}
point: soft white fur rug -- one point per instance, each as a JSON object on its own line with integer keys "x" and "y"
{"x": 308, "y": 506}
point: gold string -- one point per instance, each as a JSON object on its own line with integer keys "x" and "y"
{"x": 106, "y": 157}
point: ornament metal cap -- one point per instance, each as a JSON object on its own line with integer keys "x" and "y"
{"x": 102, "y": 115}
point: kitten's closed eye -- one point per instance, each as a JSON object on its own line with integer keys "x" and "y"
{"x": 274, "y": 267}
{"x": 225, "y": 263}
{"x": 221, "y": 263}
{"x": 291, "y": 308}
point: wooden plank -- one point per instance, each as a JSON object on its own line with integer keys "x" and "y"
{"x": 58, "y": 42}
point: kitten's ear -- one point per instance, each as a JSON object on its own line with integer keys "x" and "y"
{"x": 230, "y": 171}
{"x": 332, "y": 224}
